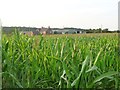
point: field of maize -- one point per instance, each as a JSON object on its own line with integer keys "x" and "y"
{"x": 60, "y": 61}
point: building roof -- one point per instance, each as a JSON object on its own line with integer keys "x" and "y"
{"x": 43, "y": 29}
{"x": 36, "y": 32}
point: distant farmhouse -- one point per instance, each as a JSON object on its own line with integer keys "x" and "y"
{"x": 36, "y": 31}
{"x": 45, "y": 30}
{"x": 48, "y": 30}
{"x": 68, "y": 31}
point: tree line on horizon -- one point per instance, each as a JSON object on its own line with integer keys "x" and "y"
{"x": 9, "y": 30}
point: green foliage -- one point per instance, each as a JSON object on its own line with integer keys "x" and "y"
{"x": 88, "y": 61}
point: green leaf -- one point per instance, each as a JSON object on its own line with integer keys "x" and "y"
{"x": 92, "y": 69}
{"x": 108, "y": 74}
{"x": 6, "y": 46}
{"x": 17, "y": 82}
{"x": 97, "y": 56}
{"x": 84, "y": 64}
{"x": 104, "y": 75}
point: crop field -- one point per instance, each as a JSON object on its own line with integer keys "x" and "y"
{"x": 60, "y": 61}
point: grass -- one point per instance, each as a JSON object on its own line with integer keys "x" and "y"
{"x": 62, "y": 61}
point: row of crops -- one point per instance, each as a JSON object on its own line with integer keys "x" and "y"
{"x": 74, "y": 61}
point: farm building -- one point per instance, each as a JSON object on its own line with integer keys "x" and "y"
{"x": 68, "y": 31}
{"x": 36, "y": 32}
{"x": 45, "y": 30}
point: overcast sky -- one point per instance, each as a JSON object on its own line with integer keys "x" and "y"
{"x": 60, "y": 13}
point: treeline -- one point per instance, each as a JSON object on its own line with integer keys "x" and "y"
{"x": 9, "y": 30}
{"x": 99, "y": 30}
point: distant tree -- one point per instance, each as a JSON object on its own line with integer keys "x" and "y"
{"x": 99, "y": 30}
{"x": 94, "y": 31}
{"x": 105, "y": 30}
